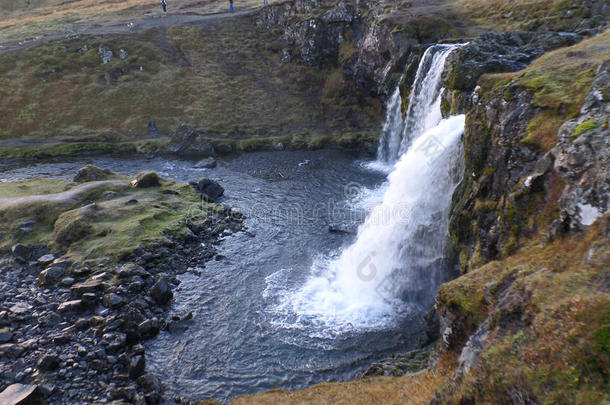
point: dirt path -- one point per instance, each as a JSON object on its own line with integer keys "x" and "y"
{"x": 124, "y": 26}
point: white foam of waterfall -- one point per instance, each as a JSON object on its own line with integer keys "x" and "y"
{"x": 398, "y": 259}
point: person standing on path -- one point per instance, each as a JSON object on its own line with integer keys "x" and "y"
{"x": 231, "y": 6}
{"x": 164, "y": 5}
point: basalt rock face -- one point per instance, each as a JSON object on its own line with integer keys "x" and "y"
{"x": 348, "y": 35}
{"x": 512, "y": 189}
{"x": 582, "y": 157}
{"x": 314, "y": 40}
{"x": 494, "y": 53}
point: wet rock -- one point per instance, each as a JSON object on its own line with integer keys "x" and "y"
{"x": 146, "y": 179}
{"x": 21, "y": 394}
{"x": 149, "y": 383}
{"x": 48, "y": 362}
{"x": 112, "y": 300}
{"x": 207, "y": 163}
{"x": 136, "y": 367}
{"x": 210, "y": 189}
{"x": 161, "y": 292}
{"x": 341, "y": 228}
{"x": 92, "y": 173}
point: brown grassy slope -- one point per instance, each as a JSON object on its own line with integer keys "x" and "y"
{"x": 224, "y": 78}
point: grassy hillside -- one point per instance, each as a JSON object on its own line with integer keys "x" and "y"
{"x": 222, "y": 78}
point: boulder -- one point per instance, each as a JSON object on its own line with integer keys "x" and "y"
{"x": 112, "y": 300}
{"x": 207, "y": 163}
{"x": 161, "y": 292}
{"x": 136, "y": 367}
{"x": 51, "y": 274}
{"x": 149, "y": 383}
{"x": 21, "y": 252}
{"x": 92, "y": 173}
{"x": 21, "y": 394}
{"x": 69, "y": 231}
{"x": 210, "y": 189}
{"x": 48, "y": 362}
{"x": 188, "y": 142}
{"x": 146, "y": 179}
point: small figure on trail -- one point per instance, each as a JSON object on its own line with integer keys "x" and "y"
{"x": 265, "y": 2}
{"x": 152, "y": 124}
{"x": 164, "y": 5}
{"x": 231, "y": 6}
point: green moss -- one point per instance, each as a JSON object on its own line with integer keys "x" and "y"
{"x": 94, "y": 220}
{"x": 583, "y": 127}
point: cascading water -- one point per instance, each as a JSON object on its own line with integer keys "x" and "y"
{"x": 423, "y": 112}
{"x": 398, "y": 259}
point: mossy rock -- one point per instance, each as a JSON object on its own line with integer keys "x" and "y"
{"x": 146, "y": 179}
{"x": 92, "y": 173}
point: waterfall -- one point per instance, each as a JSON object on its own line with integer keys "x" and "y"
{"x": 424, "y": 106}
{"x": 399, "y": 258}
{"x": 391, "y": 137}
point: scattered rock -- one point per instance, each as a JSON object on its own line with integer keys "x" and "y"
{"x": 21, "y": 394}
{"x": 20, "y": 308}
{"x": 70, "y": 306}
{"x": 146, "y": 179}
{"x": 45, "y": 260}
{"x": 105, "y": 54}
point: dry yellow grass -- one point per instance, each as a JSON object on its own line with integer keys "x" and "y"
{"x": 51, "y": 16}
{"x": 412, "y": 389}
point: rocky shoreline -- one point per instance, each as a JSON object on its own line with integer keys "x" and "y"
{"x": 71, "y": 332}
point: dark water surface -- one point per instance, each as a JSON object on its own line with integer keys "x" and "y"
{"x": 236, "y": 343}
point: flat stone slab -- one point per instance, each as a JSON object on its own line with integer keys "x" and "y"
{"x": 21, "y": 394}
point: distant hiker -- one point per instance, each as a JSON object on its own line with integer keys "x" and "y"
{"x": 152, "y": 124}
{"x": 231, "y": 6}
{"x": 164, "y": 5}
{"x": 265, "y": 2}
